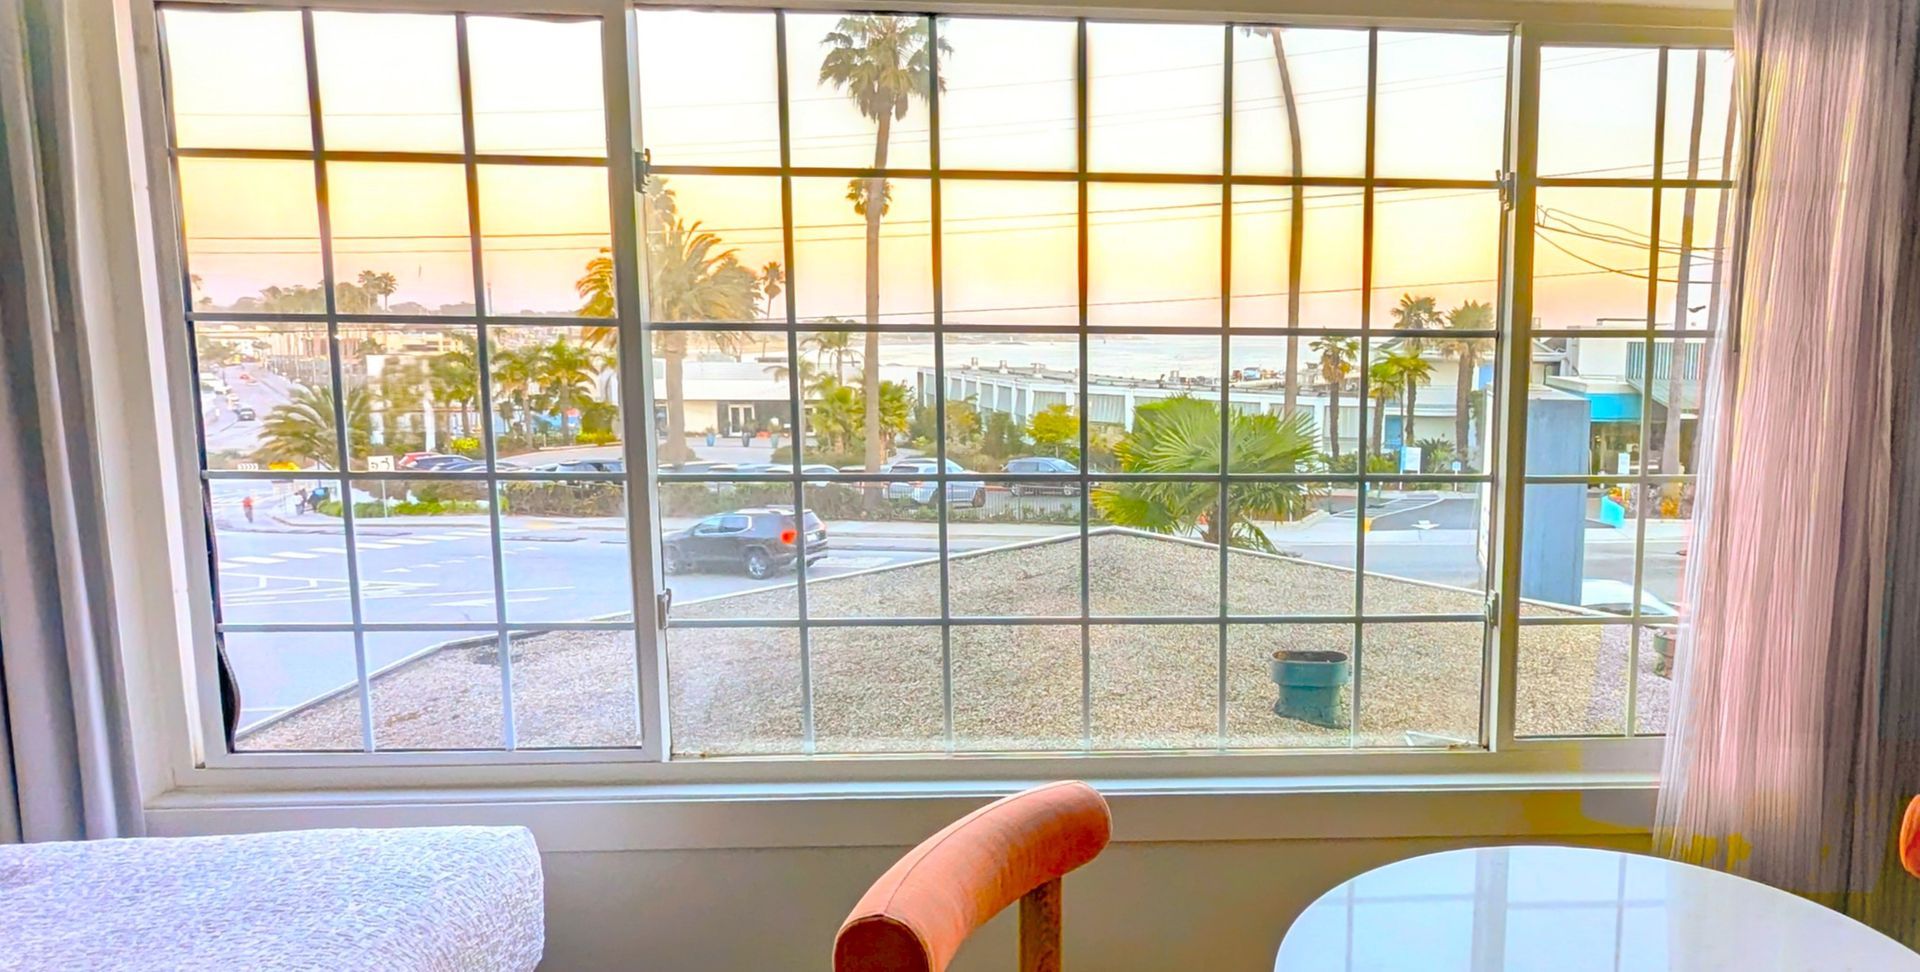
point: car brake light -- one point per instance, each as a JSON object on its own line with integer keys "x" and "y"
{"x": 788, "y": 537}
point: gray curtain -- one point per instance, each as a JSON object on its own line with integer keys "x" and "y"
{"x": 1795, "y": 738}
{"x": 65, "y": 758}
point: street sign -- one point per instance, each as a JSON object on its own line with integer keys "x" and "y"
{"x": 379, "y": 463}
{"x": 247, "y": 466}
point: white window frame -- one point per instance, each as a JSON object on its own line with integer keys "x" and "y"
{"x": 192, "y": 749}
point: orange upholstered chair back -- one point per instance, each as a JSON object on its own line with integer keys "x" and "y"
{"x": 1910, "y": 838}
{"x": 915, "y": 917}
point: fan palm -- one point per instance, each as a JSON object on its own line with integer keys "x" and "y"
{"x": 834, "y": 345}
{"x": 302, "y": 431}
{"x": 1472, "y": 315}
{"x": 1338, "y": 358}
{"x": 1412, "y": 371}
{"x": 515, "y": 373}
{"x": 1297, "y": 212}
{"x": 1182, "y": 435}
{"x": 1383, "y": 385}
{"x": 379, "y": 285}
{"x": 692, "y": 278}
{"x": 563, "y": 368}
{"x": 773, "y": 280}
{"x": 883, "y": 64}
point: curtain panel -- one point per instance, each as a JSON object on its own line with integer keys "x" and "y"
{"x": 1792, "y": 746}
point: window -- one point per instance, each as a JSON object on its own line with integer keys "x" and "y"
{"x": 1137, "y": 387}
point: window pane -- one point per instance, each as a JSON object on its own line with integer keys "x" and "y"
{"x": 728, "y": 395}
{"x": 1148, "y": 394}
{"x": 1668, "y": 509}
{"x": 734, "y": 691}
{"x": 1331, "y": 231}
{"x": 1017, "y": 554}
{"x": 1572, "y": 680}
{"x": 1315, "y": 712}
{"x": 1583, "y": 416}
{"x": 1597, "y": 107}
{"x": 1680, "y": 370}
{"x": 839, "y": 118}
{"x": 266, "y": 397}
{"x": 555, "y": 394}
{"x": 1577, "y": 548}
{"x": 1154, "y": 97}
{"x": 425, "y": 549}
{"x": 1692, "y": 226}
{"x": 1709, "y": 150}
{"x": 1439, "y": 244}
{"x": 1328, "y": 73}
{"x": 565, "y": 546}
{"x": 400, "y": 240}
{"x": 237, "y": 80}
{"x": 713, "y": 245}
{"x": 1008, "y": 396}
{"x": 723, "y": 549}
{"x": 732, "y": 117}
{"x": 1442, "y": 108}
{"x": 1658, "y": 649}
{"x": 1293, "y": 552}
{"x": 831, "y": 228}
{"x": 1155, "y": 686}
{"x": 388, "y": 82}
{"x": 1016, "y": 689}
{"x": 541, "y": 230}
{"x": 1420, "y": 684}
{"x": 416, "y": 388}
{"x": 1426, "y": 548}
{"x": 1009, "y": 100}
{"x": 252, "y": 233}
{"x": 575, "y": 689}
{"x": 536, "y": 86}
{"x": 1153, "y": 255}
{"x": 1590, "y": 263}
{"x": 278, "y": 673}
{"x": 1010, "y": 251}
{"x": 882, "y": 557}
{"x": 445, "y": 695}
{"x": 877, "y": 690}
{"x": 279, "y": 560}
{"x": 1160, "y": 524}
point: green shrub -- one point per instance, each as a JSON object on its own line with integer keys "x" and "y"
{"x": 596, "y": 438}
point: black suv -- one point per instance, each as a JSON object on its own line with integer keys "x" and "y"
{"x": 757, "y": 541}
{"x": 1049, "y": 466}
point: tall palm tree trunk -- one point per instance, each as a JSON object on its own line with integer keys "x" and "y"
{"x": 1379, "y": 426}
{"x": 1297, "y": 224}
{"x": 1406, "y": 414}
{"x": 1670, "y": 443}
{"x": 1462, "y": 394}
{"x": 673, "y": 351}
{"x": 1333, "y": 421}
{"x": 870, "y": 379}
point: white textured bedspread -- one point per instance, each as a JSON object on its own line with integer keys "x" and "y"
{"x": 431, "y": 898}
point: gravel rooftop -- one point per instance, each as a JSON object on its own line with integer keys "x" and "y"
{"x": 737, "y": 691}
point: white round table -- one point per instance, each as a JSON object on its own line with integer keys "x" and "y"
{"x": 1563, "y": 909}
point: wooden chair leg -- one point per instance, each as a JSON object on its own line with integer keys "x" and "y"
{"x": 1040, "y": 928}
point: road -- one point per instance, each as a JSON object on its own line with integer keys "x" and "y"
{"x": 252, "y": 385}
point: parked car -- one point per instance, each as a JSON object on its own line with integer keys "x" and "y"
{"x": 818, "y": 469}
{"x": 757, "y": 541}
{"x": 437, "y": 462}
{"x": 584, "y": 466}
{"x": 962, "y": 492}
{"x": 1046, "y": 466}
{"x": 243, "y": 412}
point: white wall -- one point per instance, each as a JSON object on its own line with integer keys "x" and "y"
{"x": 1150, "y": 907}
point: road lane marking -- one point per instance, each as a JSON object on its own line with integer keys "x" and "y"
{"x": 409, "y": 541}
{"x": 450, "y": 536}
{"x": 253, "y": 560}
{"x": 296, "y": 555}
{"x": 473, "y": 533}
{"x": 331, "y": 550}
{"x": 370, "y": 545}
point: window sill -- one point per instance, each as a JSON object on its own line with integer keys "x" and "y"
{"x": 712, "y": 816}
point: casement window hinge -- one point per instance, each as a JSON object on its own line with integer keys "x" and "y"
{"x": 663, "y": 606}
{"x": 1493, "y": 607}
{"x": 642, "y": 164}
{"x": 1509, "y": 188}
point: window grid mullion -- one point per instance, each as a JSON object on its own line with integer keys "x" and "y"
{"x": 337, "y": 376}
{"x": 1222, "y": 524}
{"x": 793, "y": 375}
{"x": 1640, "y": 479}
{"x": 1082, "y": 126}
{"x": 1361, "y": 497}
{"x": 938, "y": 255}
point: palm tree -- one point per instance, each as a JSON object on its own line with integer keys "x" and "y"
{"x": 379, "y": 285}
{"x": 1412, "y": 371}
{"x": 1383, "y": 385}
{"x": 1471, "y": 315}
{"x": 883, "y": 64}
{"x": 595, "y": 288}
{"x": 835, "y": 415}
{"x": 1338, "y": 359}
{"x": 1297, "y": 213}
{"x": 1182, "y": 435}
{"x": 690, "y": 278}
{"x": 1415, "y": 314}
{"x": 773, "y": 279}
{"x": 565, "y": 367}
{"x": 837, "y": 345}
{"x": 302, "y": 431}
{"x": 516, "y": 371}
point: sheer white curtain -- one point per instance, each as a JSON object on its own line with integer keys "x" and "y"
{"x": 1791, "y": 750}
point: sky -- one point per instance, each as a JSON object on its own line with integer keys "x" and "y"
{"x": 708, "y": 93}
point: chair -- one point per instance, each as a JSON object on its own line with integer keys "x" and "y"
{"x": 1910, "y": 838}
{"x": 917, "y": 915}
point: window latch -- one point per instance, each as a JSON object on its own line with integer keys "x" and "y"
{"x": 1509, "y": 188}
{"x": 663, "y": 606}
{"x": 1493, "y": 607}
{"x": 642, "y": 163}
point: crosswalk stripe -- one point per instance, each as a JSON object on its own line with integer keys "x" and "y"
{"x": 254, "y": 560}
{"x": 473, "y": 533}
{"x": 409, "y": 541}
{"x": 296, "y": 555}
{"x": 331, "y": 550}
{"x": 370, "y": 545}
{"x": 451, "y": 536}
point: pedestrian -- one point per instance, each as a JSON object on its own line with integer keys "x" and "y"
{"x": 303, "y": 497}
{"x": 246, "y": 506}
{"x": 746, "y": 438}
